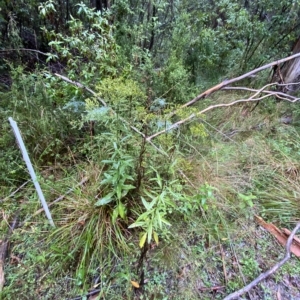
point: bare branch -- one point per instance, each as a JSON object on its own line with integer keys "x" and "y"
{"x": 192, "y": 116}
{"x": 264, "y": 275}
{"x": 80, "y": 85}
{"x": 279, "y": 95}
{"x": 250, "y": 99}
{"x": 28, "y": 50}
{"x": 13, "y": 193}
{"x": 230, "y": 81}
{"x": 4, "y": 244}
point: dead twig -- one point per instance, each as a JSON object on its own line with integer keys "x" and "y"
{"x": 13, "y": 193}
{"x": 213, "y": 288}
{"x": 264, "y": 275}
{"x": 91, "y": 293}
{"x": 4, "y": 249}
{"x": 192, "y": 116}
{"x": 223, "y": 262}
{"x": 84, "y": 180}
{"x": 81, "y": 86}
{"x": 279, "y": 95}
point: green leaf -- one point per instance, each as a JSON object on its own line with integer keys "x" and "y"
{"x": 115, "y": 215}
{"x": 149, "y": 231}
{"x": 149, "y": 195}
{"x": 128, "y": 187}
{"x": 136, "y": 224}
{"x": 121, "y": 210}
{"x": 158, "y": 219}
{"x": 145, "y": 215}
{"x": 105, "y": 161}
{"x": 155, "y": 235}
{"x": 165, "y": 221}
{"x": 108, "y": 179}
{"x": 105, "y": 200}
{"x": 119, "y": 191}
{"x": 145, "y": 203}
{"x": 143, "y": 240}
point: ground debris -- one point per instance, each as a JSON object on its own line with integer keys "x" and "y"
{"x": 281, "y": 235}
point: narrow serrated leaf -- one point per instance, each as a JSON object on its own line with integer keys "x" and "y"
{"x": 165, "y": 221}
{"x": 105, "y": 200}
{"x": 119, "y": 192}
{"x": 144, "y": 216}
{"x": 143, "y": 240}
{"x": 158, "y": 218}
{"x": 145, "y": 203}
{"x": 136, "y": 224}
{"x": 121, "y": 210}
{"x": 155, "y": 236}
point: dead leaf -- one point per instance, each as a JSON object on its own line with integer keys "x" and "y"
{"x": 14, "y": 260}
{"x": 94, "y": 297}
{"x": 280, "y": 235}
{"x": 135, "y": 284}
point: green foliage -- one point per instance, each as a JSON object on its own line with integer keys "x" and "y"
{"x": 160, "y": 201}
{"x": 143, "y": 61}
{"x": 87, "y": 48}
{"x": 47, "y": 8}
{"x": 125, "y": 96}
{"x": 117, "y": 182}
{"x": 29, "y": 104}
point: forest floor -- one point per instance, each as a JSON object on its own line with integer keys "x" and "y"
{"x": 252, "y": 163}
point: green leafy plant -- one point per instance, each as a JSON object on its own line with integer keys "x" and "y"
{"x": 118, "y": 181}
{"x": 158, "y": 203}
{"x": 87, "y": 47}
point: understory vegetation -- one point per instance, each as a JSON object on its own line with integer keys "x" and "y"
{"x": 144, "y": 209}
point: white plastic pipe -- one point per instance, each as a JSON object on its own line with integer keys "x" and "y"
{"x": 30, "y": 169}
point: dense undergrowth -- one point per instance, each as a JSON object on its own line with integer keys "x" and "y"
{"x": 170, "y": 219}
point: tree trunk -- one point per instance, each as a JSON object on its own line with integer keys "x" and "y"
{"x": 289, "y": 72}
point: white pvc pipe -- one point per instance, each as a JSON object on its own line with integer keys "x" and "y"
{"x": 30, "y": 169}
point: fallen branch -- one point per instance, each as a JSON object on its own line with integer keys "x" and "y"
{"x": 230, "y": 81}
{"x": 28, "y": 50}
{"x": 192, "y": 116}
{"x": 91, "y": 293}
{"x": 264, "y": 275}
